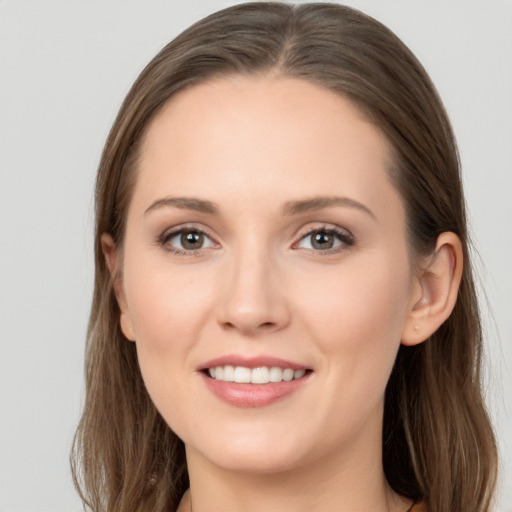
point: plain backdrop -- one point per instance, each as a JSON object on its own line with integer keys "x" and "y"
{"x": 65, "y": 67}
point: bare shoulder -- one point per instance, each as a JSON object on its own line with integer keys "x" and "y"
{"x": 418, "y": 507}
{"x": 184, "y": 505}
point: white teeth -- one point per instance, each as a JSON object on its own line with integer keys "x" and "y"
{"x": 260, "y": 375}
{"x": 288, "y": 374}
{"x": 276, "y": 374}
{"x": 242, "y": 375}
{"x": 229, "y": 373}
{"x": 298, "y": 374}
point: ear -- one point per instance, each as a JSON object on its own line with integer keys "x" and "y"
{"x": 435, "y": 290}
{"x": 113, "y": 260}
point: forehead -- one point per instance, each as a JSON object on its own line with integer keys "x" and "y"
{"x": 255, "y": 134}
{"x": 227, "y": 104}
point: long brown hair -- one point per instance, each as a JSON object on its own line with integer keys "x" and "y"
{"x": 438, "y": 443}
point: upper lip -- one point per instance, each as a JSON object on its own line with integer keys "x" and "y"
{"x": 252, "y": 362}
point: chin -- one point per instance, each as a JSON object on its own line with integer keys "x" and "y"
{"x": 256, "y": 462}
{"x": 255, "y": 451}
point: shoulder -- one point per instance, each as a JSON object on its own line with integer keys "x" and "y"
{"x": 185, "y": 505}
{"x": 419, "y": 506}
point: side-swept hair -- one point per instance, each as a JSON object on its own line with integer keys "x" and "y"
{"x": 438, "y": 443}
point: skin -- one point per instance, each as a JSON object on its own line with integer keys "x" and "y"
{"x": 258, "y": 287}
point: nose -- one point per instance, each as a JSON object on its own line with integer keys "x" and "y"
{"x": 254, "y": 297}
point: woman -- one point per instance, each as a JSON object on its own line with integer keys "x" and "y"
{"x": 284, "y": 314}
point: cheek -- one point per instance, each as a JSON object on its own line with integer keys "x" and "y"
{"x": 167, "y": 306}
{"x": 369, "y": 291}
{"x": 357, "y": 319}
{"x": 168, "y": 311}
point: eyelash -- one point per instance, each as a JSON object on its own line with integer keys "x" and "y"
{"x": 167, "y": 236}
{"x": 345, "y": 238}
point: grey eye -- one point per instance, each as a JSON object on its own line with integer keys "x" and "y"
{"x": 189, "y": 240}
{"x": 322, "y": 240}
{"x": 325, "y": 240}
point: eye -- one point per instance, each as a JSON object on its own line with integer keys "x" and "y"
{"x": 186, "y": 241}
{"x": 325, "y": 239}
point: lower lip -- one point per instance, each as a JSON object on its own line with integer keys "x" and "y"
{"x": 253, "y": 395}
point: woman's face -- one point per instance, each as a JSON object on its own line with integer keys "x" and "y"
{"x": 264, "y": 242}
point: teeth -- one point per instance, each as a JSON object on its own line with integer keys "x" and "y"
{"x": 260, "y": 375}
{"x": 297, "y": 374}
{"x": 242, "y": 375}
{"x": 229, "y": 373}
{"x": 288, "y": 374}
{"x": 276, "y": 374}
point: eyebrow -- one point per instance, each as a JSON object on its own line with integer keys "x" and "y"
{"x": 185, "y": 203}
{"x": 317, "y": 203}
{"x": 290, "y": 208}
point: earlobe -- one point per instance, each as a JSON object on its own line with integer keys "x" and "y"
{"x": 437, "y": 289}
{"x": 112, "y": 260}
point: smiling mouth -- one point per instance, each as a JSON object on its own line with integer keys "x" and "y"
{"x": 258, "y": 375}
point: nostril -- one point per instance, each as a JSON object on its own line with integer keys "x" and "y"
{"x": 252, "y": 317}
{"x": 264, "y": 326}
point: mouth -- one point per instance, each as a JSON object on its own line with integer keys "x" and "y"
{"x": 253, "y": 382}
{"x": 257, "y": 375}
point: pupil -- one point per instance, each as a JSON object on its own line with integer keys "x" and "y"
{"x": 322, "y": 240}
{"x": 192, "y": 240}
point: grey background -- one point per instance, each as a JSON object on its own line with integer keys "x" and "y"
{"x": 65, "y": 67}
